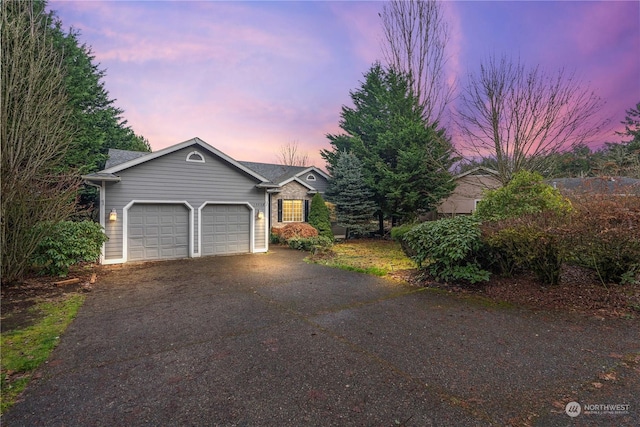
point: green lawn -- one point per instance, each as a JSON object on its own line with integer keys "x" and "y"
{"x": 379, "y": 257}
{"x": 23, "y": 350}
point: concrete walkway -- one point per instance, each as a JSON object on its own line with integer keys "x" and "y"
{"x": 268, "y": 340}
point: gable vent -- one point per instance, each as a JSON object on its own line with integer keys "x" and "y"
{"x": 196, "y": 157}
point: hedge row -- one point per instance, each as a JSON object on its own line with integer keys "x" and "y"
{"x": 597, "y": 231}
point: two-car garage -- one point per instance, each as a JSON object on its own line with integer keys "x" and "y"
{"x": 184, "y": 201}
{"x": 158, "y": 231}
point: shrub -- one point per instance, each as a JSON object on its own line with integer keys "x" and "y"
{"x": 310, "y": 244}
{"x": 530, "y": 242}
{"x": 274, "y": 237}
{"x": 294, "y": 229}
{"x": 525, "y": 194}
{"x": 450, "y": 247}
{"x": 68, "y": 243}
{"x": 319, "y": 216}
{"x": 604, "y": 235}
{"x": 398, "y": 234}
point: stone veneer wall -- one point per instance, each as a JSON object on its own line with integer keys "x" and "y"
{"x": 291, "y": 191}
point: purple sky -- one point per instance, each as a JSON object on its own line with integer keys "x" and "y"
{"x": 248, "y": 77}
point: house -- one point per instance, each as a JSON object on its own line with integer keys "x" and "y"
{"x": 290, "y": 199}
{"x": 470, "y": 187}
{"x": 187, "y": 200}
{"x": 191, "y": 200}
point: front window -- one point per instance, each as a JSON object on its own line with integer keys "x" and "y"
{"x": 292, "y": 211}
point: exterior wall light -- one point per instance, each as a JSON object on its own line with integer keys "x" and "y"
{"x": 260, "y": 215}
{"x": 113, "y": 215}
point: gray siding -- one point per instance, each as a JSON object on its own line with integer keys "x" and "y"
{"x": 319, "y": 184}
{"x": 171, "y": 177}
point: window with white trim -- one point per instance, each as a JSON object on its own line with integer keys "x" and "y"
{"x": 311, "y": 177}
{"x": 194, "y": 156}
{"x": 292, "y": 211}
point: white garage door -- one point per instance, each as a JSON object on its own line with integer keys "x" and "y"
{"x": 225, "y": 229}
{"x": 158, "y": 232}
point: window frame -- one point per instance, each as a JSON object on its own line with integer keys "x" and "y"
{"x": 294, "y": 212}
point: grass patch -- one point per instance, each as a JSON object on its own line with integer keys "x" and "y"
{"x": 377, "y": 257}
{"x": 23, "y": 350}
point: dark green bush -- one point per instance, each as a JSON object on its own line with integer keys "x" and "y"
{"x": 310, "y": 244}
{"x": 274, "y": 238}
{"x": 527, "y": 193}
{"x": 320, "y": 217}
{"x": 68, "y": 243}
{"x": 449, "y": 248}
{"x": 526, "y": 243}
{"x": 398, "y": 234}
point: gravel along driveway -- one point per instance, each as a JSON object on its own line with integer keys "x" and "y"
{"x": 269, "y": 340}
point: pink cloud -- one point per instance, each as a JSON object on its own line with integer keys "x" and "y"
{"x": 248, "y": 77}
{"x": 600, "y": 25}
{"x": 363, "y": 26}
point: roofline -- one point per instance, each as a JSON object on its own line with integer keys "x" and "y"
{"x": 98, "y": 178}
{"x": 307, "y": 170}
{"x": 180, "y": 146}
{"x": 492, "y": 172}
{"x": 295, "y": 178}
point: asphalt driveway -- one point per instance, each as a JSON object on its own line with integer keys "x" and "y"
{"x": 268, "y": 340}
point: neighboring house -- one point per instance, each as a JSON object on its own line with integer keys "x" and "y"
{"x": 614, "y": 185}
{"x": 188, "y": 200}
{"x": 470, "y": 187}
{"x": 191, "y": 200}
{"x": 290, "y": 200}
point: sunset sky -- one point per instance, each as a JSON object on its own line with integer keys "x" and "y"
{"x": 249, "y": 77}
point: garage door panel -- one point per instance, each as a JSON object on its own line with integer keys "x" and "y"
{"x": 225, "y": 229}
{"x": 158, "y": 232}
{"x": 151, "y": 241}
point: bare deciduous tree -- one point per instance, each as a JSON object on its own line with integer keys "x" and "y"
{"x": 34, "y": 132}
{"x": 290, "y": 155}
{"x": 521, "y": 117}
{"x": 416, "y": 37}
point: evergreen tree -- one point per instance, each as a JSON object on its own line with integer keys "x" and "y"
{"x": 348, "y": 190}
{"x": 405, "y": 161}
{"x": 631, "y": 124}
{"x": 319, "y": 216}
{"x": 98, "y": 124}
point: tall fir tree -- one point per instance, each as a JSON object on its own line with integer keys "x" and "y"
{"x": 355, "y": 208}
{"x": 405, "y": 161}
{"x": 97, "y": 122}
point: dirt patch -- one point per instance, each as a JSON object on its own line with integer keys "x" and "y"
{"x": 17, "y": 299}
{"x": 580, "y": 291}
